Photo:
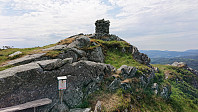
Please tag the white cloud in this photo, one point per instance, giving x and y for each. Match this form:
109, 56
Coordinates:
170, 41
46, 17
135, 20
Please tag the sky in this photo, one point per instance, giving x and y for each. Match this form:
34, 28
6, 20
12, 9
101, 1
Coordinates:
146, 24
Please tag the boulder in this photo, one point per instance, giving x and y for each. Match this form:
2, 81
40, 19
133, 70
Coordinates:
180, 64
80, 42
74, 53
127, 71
69, 54
15, 53
81, 53
96, 55
54, 63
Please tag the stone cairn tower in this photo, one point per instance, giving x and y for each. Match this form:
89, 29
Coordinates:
102, 27
102, 31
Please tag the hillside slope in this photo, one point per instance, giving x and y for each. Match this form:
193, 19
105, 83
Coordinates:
106, 74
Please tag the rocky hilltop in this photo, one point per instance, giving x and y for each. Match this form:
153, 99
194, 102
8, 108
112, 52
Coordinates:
104, 73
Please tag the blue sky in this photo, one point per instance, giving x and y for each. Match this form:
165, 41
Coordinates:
147, 24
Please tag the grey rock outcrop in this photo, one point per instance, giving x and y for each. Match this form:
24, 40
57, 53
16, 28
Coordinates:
79, 80
57, 47
126, 84
106, 37
33, 81
80, 42
147, 77
127, 71
140, 57
54, 63
26, 59
96, 55
74, 53
115, 84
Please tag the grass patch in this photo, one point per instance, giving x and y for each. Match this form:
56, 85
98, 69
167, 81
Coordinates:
84, 104
110, 101
5, 67
66, 41
52, 54
111, 43
117, 59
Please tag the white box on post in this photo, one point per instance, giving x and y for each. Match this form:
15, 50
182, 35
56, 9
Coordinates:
62, 85
62, 82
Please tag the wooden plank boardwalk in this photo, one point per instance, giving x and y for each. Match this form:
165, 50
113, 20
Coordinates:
32, 104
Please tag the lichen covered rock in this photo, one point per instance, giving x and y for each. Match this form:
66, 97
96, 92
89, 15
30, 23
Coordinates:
33, 81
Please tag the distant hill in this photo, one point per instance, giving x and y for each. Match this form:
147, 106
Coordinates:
168, 57
169, 54
191, 61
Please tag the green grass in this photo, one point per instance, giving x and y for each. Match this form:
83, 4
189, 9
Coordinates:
184, 97
117, 59
5, 67
4, 54
52, 54
112, 43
